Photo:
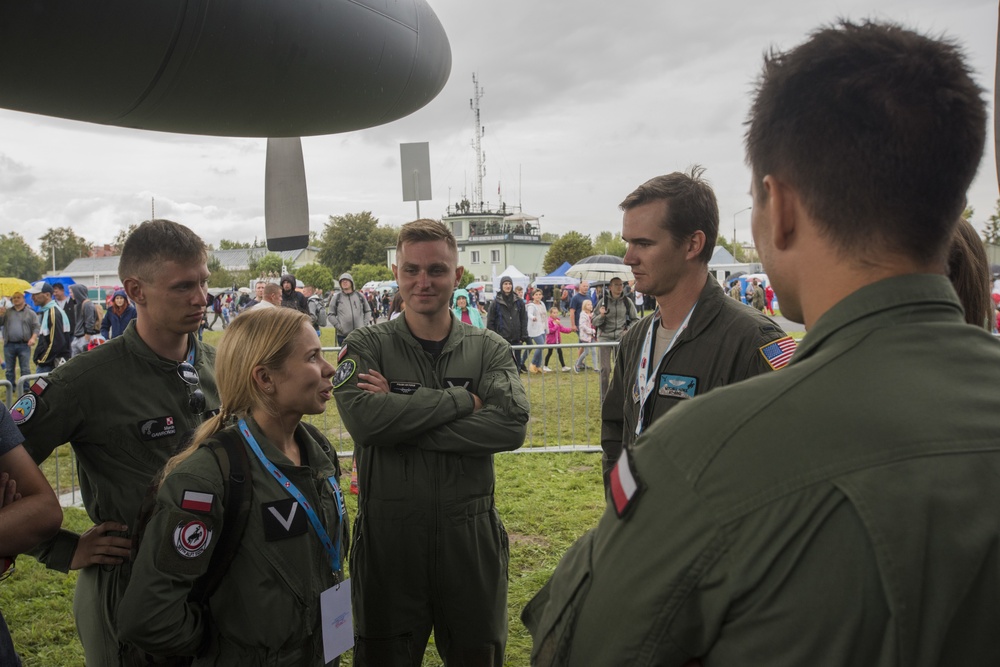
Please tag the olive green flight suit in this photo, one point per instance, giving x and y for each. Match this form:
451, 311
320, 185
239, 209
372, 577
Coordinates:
126, 411
721, 345
429, 547
841, 512
266, 609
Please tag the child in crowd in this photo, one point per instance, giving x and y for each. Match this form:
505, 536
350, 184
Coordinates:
554, 337
587, 335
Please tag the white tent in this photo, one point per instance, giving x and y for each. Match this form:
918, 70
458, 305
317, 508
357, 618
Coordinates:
516, 277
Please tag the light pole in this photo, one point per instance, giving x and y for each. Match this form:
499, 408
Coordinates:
734, 226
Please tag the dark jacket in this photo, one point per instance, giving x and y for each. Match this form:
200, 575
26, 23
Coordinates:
291, 298
508, 318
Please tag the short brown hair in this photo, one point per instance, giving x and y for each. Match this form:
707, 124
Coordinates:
425, 229
880, 131
157, 241
691, 206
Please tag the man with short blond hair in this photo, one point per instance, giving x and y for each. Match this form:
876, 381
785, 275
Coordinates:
125, 407
428, 400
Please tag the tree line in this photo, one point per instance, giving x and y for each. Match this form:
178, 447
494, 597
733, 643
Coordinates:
354, 242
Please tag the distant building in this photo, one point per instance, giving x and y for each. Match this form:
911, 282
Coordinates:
106, 250
489, 241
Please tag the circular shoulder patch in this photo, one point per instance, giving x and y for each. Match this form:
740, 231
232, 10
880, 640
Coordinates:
344, 372
191, 538
24, 408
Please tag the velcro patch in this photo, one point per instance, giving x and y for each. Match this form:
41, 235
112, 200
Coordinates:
677, 386
283, 519
626, 487
779, 352
464, 383
39, 386
191, 538
157, 427
184, 539
24, 408
405, 388
345, 371
196, 501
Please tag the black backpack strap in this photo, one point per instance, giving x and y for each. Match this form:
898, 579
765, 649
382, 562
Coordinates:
331, 452
234, 462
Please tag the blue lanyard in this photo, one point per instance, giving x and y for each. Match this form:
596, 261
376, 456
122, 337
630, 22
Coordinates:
332, 548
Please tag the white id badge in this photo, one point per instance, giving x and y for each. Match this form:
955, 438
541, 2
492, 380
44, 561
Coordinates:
338, 626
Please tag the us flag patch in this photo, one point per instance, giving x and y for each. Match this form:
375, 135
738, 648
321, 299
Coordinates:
625, 484
779, 352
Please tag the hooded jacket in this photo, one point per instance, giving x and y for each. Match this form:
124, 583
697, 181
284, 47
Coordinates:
84, 318
508, 316
292, 299
114, 322
348, 312
620, 314
475, 318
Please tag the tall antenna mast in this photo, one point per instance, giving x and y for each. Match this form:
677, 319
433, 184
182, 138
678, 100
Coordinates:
477, 203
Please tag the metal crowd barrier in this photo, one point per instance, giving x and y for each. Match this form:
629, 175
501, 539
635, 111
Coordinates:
565, 413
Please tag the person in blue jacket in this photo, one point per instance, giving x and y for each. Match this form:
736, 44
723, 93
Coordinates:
464, 311
118, 316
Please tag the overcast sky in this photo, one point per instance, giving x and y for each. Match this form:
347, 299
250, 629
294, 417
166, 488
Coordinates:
583, 101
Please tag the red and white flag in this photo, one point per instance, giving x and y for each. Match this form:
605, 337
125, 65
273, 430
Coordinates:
625, 484
195, 501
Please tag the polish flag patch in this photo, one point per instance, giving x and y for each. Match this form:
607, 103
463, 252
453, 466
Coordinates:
39, 386
626, 487
343, 353
195, 501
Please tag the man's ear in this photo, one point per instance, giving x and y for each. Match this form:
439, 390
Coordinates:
133, 290
459, 272
695, 244
783, 210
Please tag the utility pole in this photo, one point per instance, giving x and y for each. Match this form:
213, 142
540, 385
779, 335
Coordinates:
477, 146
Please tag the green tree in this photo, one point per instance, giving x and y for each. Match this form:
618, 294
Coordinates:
466, 278
992, 232
226, 244
67, 245
354, 238
570, 247
608, 243
18, 260
363, 273
123, 237
267, 263
316, 275
739, 254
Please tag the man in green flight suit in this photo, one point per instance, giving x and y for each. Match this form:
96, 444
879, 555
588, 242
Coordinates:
843, 511
428, 400
697, 339
126, 407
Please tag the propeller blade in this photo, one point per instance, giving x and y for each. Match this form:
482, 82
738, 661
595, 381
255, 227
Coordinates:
286, 206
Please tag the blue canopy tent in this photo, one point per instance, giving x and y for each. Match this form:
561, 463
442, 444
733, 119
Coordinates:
557, 277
